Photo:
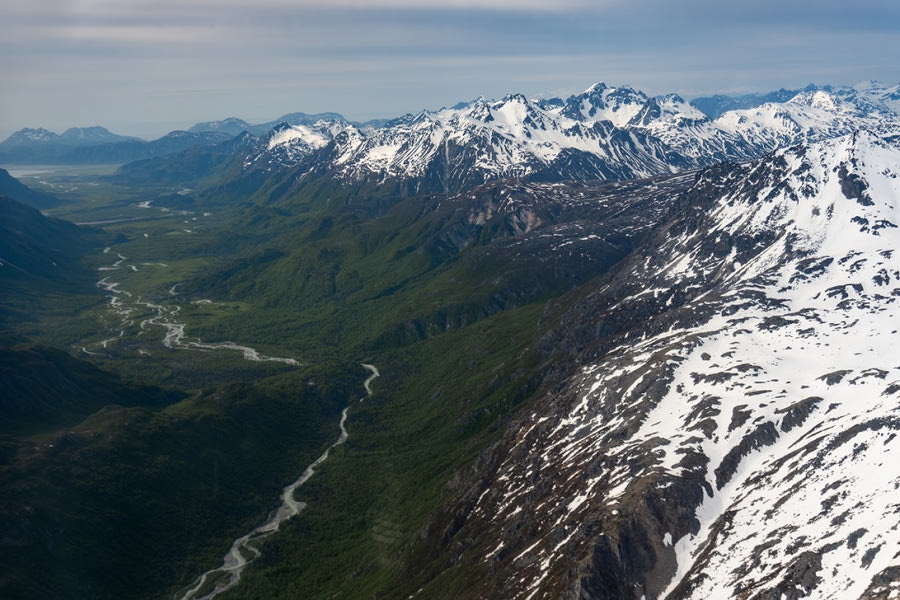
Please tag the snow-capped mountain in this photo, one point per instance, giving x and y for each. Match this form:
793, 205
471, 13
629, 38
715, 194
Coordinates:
602, 103
603, 133
731, 427
512, 137
808, 116
286, 145
588, 137
867, 95
689, 133
877, 94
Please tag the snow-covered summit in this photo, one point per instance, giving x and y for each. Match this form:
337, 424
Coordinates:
795, 390
807, 117
602, 103
286, 145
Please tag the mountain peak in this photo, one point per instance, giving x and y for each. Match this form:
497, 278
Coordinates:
30, 135
602, 103
673, 98
306, 136
817, 99
282, 126
597, 87
516, 97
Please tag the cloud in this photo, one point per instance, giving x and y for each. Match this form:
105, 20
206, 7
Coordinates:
106, 61
425, 5
131, 34
267, 23
113, 9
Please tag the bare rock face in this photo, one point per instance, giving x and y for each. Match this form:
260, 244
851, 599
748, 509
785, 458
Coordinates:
884, 585
725, 423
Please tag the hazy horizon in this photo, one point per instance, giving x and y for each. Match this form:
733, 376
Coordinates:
151, 132
145, 68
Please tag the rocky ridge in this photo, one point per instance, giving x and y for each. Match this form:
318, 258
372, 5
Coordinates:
727, 426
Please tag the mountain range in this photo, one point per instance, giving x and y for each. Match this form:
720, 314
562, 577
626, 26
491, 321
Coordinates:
629, 347
604, 133
727, 426
581, 135
94, 145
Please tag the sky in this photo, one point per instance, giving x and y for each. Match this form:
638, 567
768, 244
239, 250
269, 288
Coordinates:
145, 67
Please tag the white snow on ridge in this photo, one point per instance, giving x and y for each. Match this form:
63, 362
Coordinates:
828, 486
807, 117
312, 137
286, 145
511, 137
515, 136
622, 127
785, 403
601, 103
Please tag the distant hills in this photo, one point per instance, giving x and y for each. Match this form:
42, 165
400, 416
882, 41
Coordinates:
234, 126
72, 137
717, 105
95, 145
98, 145
43, 146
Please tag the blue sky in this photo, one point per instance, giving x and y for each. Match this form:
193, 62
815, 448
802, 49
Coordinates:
144, 67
